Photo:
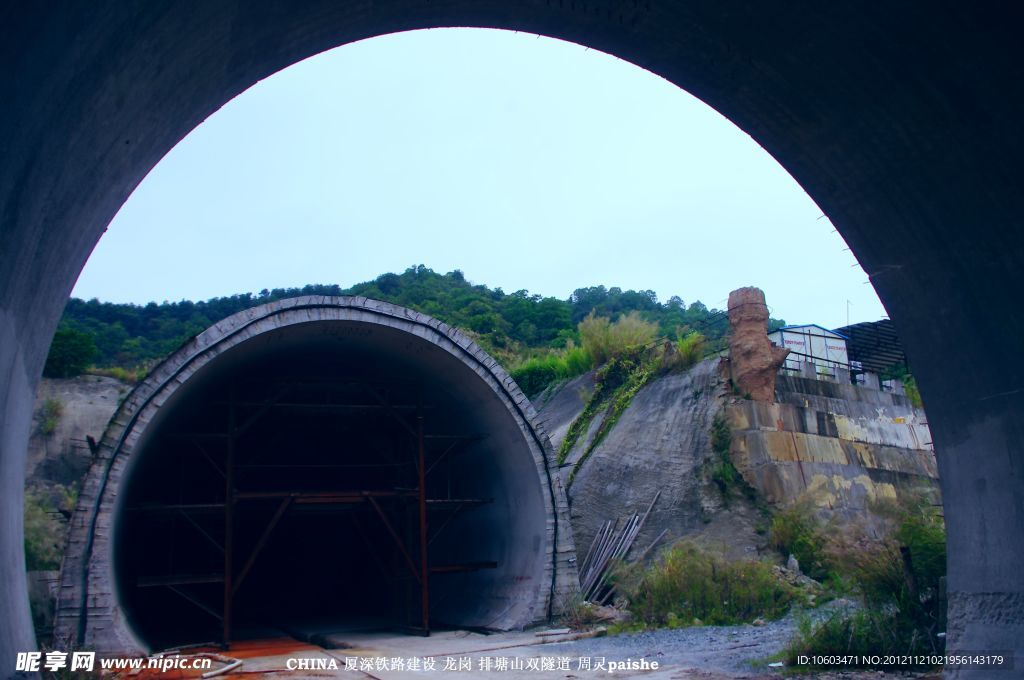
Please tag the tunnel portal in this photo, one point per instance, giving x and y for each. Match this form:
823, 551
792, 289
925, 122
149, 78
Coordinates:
317, 465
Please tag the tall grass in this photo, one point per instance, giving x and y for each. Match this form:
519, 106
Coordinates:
603, 339
690, 348
689, 586
131, 376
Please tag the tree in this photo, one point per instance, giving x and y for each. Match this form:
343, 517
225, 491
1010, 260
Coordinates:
70, 353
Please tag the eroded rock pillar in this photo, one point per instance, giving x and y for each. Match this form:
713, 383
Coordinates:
753, 360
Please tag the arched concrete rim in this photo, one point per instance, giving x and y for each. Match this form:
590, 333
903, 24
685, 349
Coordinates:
88, 613
901, 120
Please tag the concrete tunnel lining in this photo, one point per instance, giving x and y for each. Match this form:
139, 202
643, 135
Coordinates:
899, 123
524, 529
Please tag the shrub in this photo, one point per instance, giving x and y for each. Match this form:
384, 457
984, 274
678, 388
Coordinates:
898, 580
578, 613
70, 352
721, 469
690, 584
913, 394
42, 534
50, 415
682, 354
534, 374
796, 531
537, 373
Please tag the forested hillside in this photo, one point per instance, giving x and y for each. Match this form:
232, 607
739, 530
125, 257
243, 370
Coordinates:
514, 327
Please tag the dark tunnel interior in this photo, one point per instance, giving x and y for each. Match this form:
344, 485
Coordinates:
280, 489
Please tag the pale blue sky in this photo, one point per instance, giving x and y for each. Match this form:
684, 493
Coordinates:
525, 162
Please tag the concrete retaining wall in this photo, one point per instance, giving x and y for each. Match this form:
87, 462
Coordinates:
842, 446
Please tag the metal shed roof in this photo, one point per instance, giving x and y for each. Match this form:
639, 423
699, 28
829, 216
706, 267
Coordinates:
794, 327
874, 344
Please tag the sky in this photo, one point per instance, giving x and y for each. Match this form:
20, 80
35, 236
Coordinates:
526, 162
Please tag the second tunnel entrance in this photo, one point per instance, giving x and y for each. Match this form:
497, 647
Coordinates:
360, 467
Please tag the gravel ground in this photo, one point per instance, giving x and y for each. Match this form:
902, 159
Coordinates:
711, 651
728, 650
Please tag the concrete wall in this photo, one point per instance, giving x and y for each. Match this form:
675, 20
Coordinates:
88, 610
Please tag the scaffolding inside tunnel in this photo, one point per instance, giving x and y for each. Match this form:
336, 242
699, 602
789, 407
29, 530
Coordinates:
399, 496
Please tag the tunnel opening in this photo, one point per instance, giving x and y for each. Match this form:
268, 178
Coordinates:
324, 477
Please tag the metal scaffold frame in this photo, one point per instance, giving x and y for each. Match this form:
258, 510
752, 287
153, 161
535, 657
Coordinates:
384, 503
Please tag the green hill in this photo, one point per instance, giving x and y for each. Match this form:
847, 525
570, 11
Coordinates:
513, 327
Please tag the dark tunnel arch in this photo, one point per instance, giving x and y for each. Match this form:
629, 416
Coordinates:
319, 402
901, 122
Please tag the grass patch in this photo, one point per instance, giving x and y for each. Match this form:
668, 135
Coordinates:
615, 385
619, 379
690, 586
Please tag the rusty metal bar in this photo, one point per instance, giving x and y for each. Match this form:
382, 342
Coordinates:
396, 537
264, 537
424, 542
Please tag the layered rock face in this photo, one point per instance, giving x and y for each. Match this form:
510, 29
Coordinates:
753, 360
